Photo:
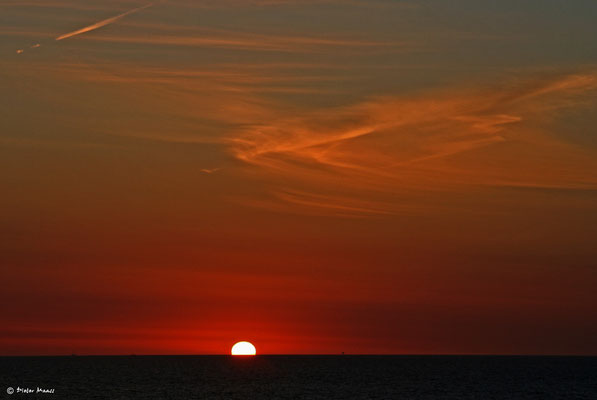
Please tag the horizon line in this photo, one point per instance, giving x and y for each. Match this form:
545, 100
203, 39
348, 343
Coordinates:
311, 355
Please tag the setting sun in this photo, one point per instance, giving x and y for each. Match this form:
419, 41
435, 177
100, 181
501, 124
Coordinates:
243, 349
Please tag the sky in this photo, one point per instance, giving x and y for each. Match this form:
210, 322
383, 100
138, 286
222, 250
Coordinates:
314, 176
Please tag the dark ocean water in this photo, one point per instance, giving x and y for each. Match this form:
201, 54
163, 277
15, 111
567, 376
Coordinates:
302, 377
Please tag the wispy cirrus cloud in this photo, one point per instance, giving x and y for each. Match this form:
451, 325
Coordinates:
164, 33
373, 158
198, 36
102, 23
389, 146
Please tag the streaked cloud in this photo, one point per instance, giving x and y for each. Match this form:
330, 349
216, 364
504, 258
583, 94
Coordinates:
436, 141
220, 38
209, 170
102, 23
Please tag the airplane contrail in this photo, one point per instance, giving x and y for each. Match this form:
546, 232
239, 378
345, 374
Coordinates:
102, 23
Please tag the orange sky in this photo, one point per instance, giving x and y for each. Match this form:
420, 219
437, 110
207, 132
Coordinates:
379, 177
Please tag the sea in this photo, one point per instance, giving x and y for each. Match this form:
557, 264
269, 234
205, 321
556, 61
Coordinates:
299, 377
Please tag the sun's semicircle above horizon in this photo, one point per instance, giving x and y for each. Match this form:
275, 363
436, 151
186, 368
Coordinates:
243, 349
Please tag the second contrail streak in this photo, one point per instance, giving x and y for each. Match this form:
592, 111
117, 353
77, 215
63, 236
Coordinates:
102, 23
